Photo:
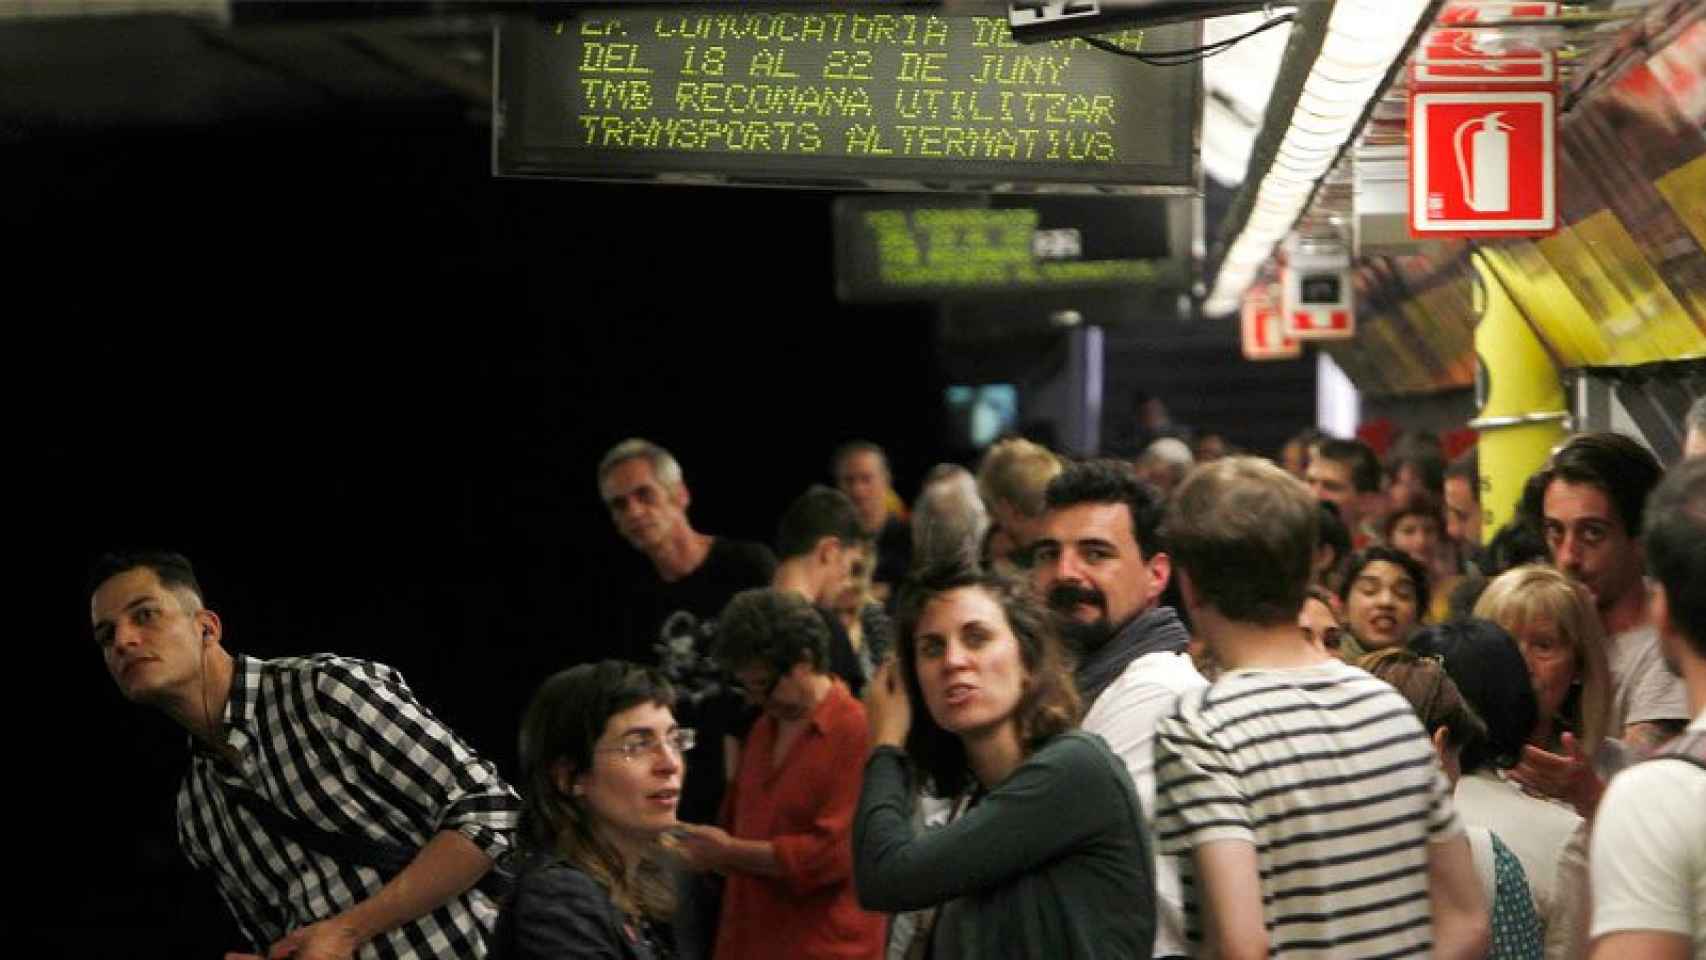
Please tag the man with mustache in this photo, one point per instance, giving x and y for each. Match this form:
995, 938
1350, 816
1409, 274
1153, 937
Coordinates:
1100, 565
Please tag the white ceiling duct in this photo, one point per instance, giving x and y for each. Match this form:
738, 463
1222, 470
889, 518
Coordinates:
1236, 87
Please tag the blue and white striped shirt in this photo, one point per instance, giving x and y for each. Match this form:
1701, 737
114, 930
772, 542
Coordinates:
1328, 774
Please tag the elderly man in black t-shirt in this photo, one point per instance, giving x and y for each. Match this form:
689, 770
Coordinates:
671, 616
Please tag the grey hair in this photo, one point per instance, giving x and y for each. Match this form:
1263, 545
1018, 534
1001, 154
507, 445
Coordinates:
664, 465
945, 472
949, 521
1168, 454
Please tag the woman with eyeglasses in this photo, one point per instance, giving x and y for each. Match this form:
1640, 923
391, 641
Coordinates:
1047, 854
1557, 628
601, 766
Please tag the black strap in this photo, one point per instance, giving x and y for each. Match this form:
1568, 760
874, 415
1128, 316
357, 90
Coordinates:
385, 858
1689, 747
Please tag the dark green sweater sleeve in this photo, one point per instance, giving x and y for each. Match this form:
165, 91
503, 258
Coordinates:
1064, 795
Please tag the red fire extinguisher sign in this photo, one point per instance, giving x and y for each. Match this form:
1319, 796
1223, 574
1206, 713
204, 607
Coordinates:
1465, 55
1483, 163
1264, 333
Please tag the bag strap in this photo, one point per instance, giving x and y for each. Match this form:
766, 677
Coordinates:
1690, 747
387, 859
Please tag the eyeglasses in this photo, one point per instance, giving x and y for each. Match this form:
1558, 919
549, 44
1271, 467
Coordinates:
637, 745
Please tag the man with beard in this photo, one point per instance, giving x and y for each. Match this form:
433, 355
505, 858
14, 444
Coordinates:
1100, 565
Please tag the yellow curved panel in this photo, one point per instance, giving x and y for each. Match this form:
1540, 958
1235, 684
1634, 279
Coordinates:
1536, 286
1521, 382
1685, 190
1655, 326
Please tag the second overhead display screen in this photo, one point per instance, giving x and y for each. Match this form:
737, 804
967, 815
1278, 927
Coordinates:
838, 95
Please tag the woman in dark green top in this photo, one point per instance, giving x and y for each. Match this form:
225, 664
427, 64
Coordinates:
1050, 857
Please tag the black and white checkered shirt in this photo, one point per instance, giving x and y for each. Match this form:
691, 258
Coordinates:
340, 744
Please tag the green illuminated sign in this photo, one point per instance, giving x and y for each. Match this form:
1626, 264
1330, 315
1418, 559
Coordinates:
838, 96
890, 248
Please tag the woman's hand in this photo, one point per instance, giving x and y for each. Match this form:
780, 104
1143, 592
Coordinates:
700, 845
1569, 776
887, 709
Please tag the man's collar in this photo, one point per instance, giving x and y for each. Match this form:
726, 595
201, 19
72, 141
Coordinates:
833, 699
245, 690
239, 713
1156, 630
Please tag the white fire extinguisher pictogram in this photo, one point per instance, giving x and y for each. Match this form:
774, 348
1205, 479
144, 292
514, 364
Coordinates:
1486, 177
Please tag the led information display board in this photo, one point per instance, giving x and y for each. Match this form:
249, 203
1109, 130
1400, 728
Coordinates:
838, 96
911, 248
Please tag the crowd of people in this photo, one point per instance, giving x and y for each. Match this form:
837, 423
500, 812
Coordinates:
1055, 708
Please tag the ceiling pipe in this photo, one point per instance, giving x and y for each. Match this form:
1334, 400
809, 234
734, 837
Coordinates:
1357, 44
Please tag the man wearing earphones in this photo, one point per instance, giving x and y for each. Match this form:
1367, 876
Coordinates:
338, 816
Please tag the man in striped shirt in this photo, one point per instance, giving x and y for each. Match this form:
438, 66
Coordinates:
1301, 794
338, 816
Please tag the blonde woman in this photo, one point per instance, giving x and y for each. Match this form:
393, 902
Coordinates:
1557, 628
